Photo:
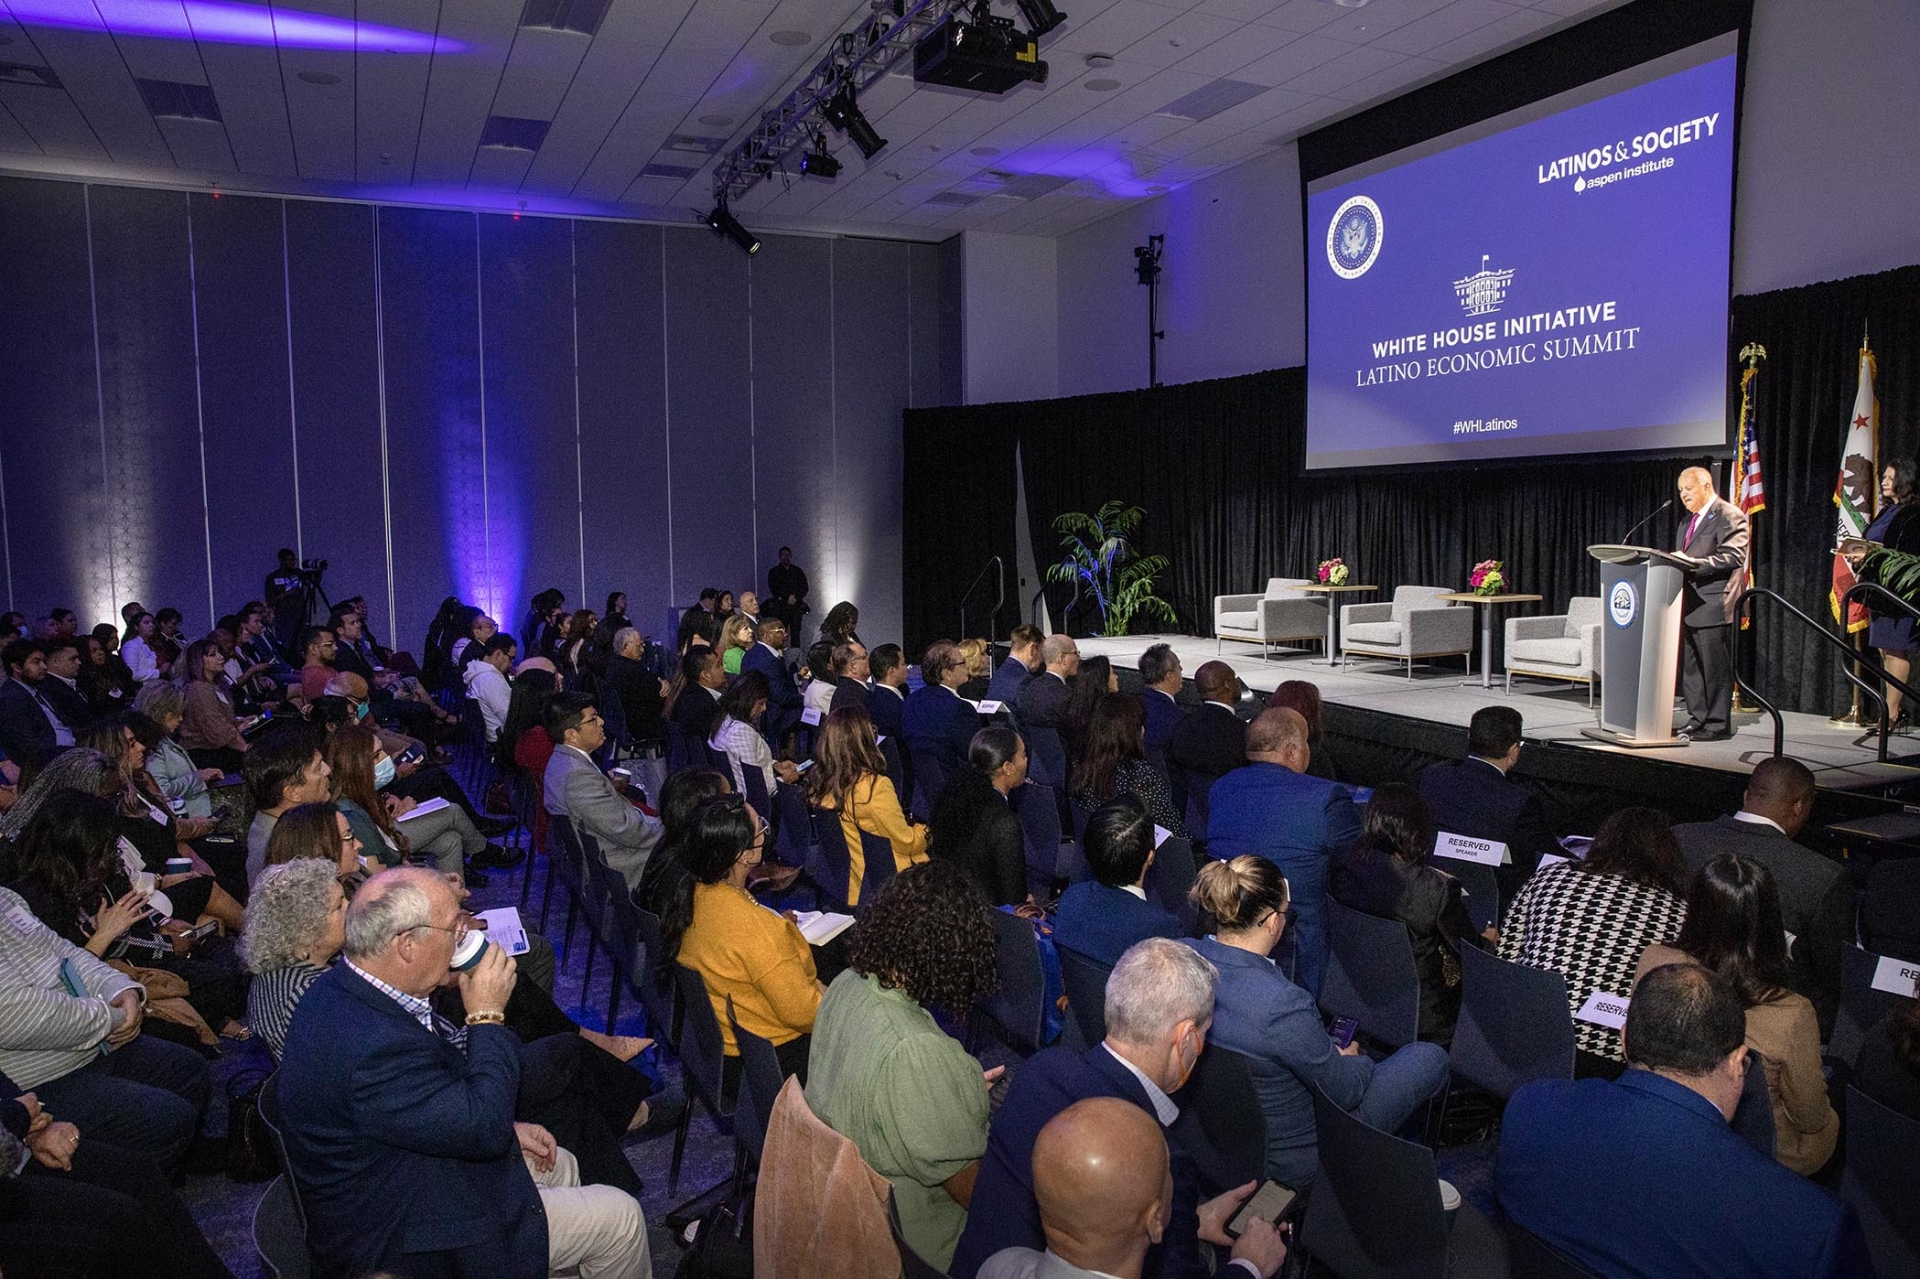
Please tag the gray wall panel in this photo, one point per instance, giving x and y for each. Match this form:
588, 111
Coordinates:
870, 326
623, 434
793, 358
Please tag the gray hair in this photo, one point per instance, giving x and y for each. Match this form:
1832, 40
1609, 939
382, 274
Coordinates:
623, 636
287, 913
1055, 647
78, 768
1158, 984
160, 699
392, 902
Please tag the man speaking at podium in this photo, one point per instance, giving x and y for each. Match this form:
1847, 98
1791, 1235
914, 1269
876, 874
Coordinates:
1712, 548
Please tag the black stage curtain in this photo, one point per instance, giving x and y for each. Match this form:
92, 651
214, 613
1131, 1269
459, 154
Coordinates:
1218, 467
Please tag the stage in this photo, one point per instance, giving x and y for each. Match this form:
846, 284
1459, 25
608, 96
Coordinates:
1383, 728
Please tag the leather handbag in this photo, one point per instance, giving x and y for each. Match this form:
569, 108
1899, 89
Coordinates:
252, 1153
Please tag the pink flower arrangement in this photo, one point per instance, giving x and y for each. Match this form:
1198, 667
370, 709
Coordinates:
1487, 579
1333, 572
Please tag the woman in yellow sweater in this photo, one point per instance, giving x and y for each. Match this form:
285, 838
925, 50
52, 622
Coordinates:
739, 947
850, 778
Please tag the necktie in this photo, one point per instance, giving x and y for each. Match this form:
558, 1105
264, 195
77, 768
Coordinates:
1692, 524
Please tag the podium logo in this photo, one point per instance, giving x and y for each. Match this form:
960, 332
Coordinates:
1622, 604
1353, 237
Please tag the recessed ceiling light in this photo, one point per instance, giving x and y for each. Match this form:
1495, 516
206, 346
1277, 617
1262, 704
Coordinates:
985, 151
1098, 60
716, 121
320, 77
791, 39
1347, 4
1103, 85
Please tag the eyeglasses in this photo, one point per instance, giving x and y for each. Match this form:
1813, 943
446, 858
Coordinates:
461, 926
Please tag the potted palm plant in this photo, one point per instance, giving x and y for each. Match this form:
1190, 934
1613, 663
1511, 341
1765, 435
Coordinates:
1098, 553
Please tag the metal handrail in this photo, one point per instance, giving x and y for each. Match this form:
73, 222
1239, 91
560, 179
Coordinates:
1863, 589
999, 569
1853, 656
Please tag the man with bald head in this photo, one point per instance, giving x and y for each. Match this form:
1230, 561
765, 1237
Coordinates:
1274, 809
1105, 1188
399, 1125
1043, 699
1816, 893
1711, 544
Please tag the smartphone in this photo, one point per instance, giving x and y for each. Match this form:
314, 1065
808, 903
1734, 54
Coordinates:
1343, 1031
803, 766
411, 755
1271, 1203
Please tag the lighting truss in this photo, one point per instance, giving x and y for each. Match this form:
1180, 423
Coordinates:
854, 59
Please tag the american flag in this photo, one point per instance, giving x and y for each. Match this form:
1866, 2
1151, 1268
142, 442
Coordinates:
1749, 491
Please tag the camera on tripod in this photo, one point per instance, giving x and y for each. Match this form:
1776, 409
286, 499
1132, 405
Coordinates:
310, 571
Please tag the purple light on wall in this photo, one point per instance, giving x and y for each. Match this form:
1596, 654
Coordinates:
1111, 169
226, 22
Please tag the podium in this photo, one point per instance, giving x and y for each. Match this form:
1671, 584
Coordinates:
1640, 591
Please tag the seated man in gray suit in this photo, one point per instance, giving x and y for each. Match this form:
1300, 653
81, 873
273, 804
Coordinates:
1816, 895
577, 790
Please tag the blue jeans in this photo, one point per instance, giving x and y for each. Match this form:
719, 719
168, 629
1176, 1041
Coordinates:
1401, 1084
146, 1095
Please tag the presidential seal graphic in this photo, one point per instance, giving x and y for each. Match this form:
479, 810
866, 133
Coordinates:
1353, 237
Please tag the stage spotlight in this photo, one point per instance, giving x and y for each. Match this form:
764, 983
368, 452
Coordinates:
1041, 16
724, 223
844, 114
819, 162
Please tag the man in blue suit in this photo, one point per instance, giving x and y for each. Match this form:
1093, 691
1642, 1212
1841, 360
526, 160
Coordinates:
1476, 798
1642, 1176
399, 1125
1159, 1005
1103, 917
1022, 664
937, 722
1161, 677
1273, 809
783, 695
888, 703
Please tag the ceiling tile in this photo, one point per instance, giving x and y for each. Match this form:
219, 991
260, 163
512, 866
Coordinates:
1450, 23
1292, 60
1335, 77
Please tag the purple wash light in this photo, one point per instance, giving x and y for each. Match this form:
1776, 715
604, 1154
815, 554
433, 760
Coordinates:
226, 22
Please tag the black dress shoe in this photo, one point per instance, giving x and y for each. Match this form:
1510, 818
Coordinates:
495, 857
494, 827
1691, 729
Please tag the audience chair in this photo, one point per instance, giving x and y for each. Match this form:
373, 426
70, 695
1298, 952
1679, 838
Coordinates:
722, 763
929, 779
1085, 980
1883, 1167
278, 1234
1416, 625
1283, 615
1227, 1109
1753, 1118
1514, 1026
1531, 1257
1046, 756
1861, 1006
583, 895
1171, 877
1018, 1007
1370, 976
1375, 1209
702, 1058
1557, 646
1048, 856
830, 865
912, 1264
793, 1201
1483, 889
760, 1082
1199, 788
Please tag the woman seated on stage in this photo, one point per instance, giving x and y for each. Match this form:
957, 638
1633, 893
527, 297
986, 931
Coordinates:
1114, 762
1632, 878
850, 778
1733, 927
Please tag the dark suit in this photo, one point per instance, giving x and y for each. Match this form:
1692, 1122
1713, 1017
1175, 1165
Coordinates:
68, 702
1643, 1177
1210, 741
1043, 701
1163, 716
402, 1146
886, 705
1297, 822
1004, 1214
639, 692
1713, 589
849, 692
1816, 897
1474, 798
994, 856
26, 734
696, 713
784, 702
1006, 683
1101, 922
938, 722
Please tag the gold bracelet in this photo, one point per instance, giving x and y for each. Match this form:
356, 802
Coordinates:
486, 1019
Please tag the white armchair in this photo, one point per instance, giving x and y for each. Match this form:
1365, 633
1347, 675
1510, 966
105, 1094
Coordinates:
1283, 615
1417, 624
1561, 646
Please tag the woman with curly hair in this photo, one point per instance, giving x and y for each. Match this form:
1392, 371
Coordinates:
841, 624
884, 1074
296, 926
850, 778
